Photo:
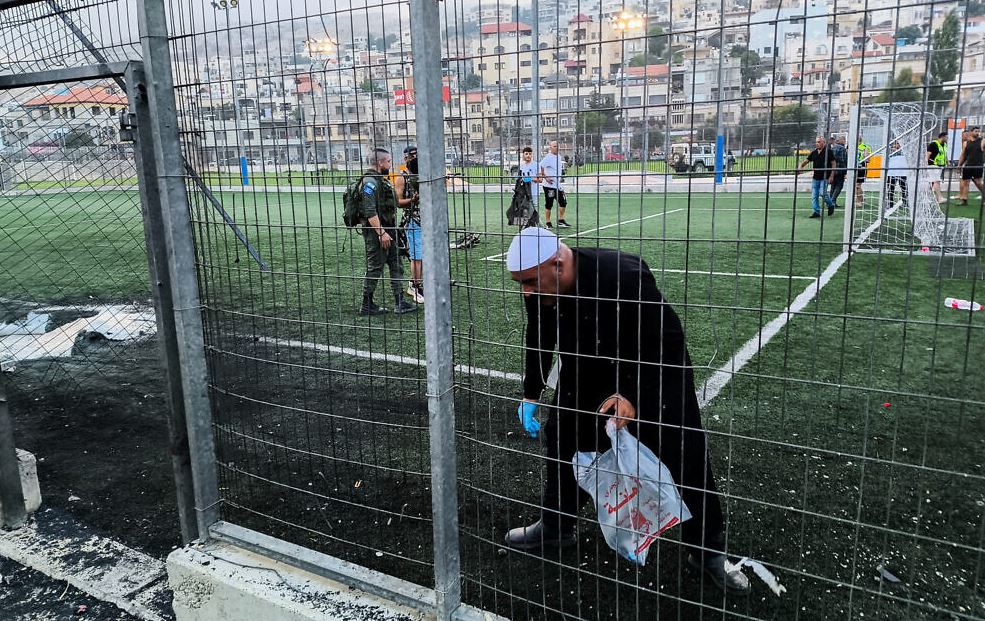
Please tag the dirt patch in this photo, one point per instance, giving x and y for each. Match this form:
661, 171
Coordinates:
97, 423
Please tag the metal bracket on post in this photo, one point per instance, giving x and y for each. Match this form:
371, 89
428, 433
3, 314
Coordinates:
181, 259
137, 123
437, 308
128, 120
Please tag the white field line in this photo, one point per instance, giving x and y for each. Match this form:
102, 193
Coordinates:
735, 274
714, 384
396, 358
105, 569
499, 257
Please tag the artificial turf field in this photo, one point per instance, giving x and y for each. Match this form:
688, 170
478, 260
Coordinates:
329, 448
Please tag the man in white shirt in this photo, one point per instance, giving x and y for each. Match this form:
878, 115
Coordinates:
550, 172
896, 172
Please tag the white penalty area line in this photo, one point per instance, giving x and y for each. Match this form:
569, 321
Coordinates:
499, 257
714, 384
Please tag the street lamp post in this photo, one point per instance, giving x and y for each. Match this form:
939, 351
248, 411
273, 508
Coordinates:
225, 5
719, 137
621, 23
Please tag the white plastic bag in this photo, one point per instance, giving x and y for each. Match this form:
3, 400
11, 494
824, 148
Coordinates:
633, 491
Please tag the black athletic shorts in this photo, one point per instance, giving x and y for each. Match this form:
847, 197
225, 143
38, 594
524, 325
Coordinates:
550, 194
860, 175
971, 172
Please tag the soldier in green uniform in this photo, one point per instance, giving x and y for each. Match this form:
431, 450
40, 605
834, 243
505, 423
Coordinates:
378, 207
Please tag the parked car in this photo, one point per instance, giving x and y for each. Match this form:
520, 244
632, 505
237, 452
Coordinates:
615, 157
692, 157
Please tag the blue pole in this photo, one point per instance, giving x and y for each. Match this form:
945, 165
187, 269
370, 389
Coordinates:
719, 158
244, 170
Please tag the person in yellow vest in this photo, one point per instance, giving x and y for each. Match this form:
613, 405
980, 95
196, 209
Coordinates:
864, 153
936, 161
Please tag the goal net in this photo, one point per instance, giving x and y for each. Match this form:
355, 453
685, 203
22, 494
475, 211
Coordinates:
894, 209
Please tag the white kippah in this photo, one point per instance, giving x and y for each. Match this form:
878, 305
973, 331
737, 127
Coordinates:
530, 248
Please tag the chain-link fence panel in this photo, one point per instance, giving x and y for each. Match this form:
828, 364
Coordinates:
78, 328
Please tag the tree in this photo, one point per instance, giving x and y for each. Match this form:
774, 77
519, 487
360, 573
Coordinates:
471, 82
900, 88
944, 58
656, 43
792, 125
600, 117
910, 33
77, 138
751, 67
369, 86
383, 43
644, 59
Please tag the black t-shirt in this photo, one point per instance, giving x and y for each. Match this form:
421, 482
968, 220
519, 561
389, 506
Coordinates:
973, 155
823, 161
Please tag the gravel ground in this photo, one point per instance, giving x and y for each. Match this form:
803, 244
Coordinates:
28, 595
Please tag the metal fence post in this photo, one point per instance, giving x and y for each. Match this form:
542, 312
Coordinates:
160, 280
181, 255
13, 513
437, 315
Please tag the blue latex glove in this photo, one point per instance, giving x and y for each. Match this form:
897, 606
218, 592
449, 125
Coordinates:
527, 413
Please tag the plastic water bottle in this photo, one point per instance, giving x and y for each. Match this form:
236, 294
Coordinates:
962, 304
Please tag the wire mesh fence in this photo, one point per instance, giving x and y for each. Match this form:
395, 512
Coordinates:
78, 330
802, 362
836, 390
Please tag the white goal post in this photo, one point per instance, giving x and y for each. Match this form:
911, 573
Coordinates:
906, 218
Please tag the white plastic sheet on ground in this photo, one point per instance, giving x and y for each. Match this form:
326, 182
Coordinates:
634, 492
29, 339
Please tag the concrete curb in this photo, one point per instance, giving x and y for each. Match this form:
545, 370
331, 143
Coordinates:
103, 568
218, 581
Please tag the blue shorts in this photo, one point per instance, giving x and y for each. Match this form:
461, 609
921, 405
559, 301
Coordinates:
415, 245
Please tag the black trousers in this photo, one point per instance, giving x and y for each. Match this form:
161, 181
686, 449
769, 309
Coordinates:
837, 185
679, 442
893, 183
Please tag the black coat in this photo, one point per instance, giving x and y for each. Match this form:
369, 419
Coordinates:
522, 211
617, 335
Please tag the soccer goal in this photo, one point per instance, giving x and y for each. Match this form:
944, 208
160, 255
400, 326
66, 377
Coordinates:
901, 215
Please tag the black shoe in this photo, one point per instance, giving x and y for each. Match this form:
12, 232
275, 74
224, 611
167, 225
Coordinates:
715, 570
548, 226
404, 306
815, 215
537, 535
831, 210
370, 309
561, 224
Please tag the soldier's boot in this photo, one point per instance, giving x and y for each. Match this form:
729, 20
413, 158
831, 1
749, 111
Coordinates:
403, 305
369, 308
